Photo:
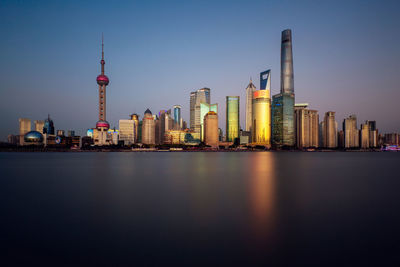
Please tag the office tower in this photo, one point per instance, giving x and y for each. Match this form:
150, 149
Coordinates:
204, 109
350, 132
283, 103
24, 127
60, 132
364, 142
178, 117
329, 130
148, 129
48, 127
135, 118
283, 133
287, 80
306, 126
211, 132
196, 98
249, 104
373, 134
127, 131
232, 118
39, 126
102, 125
261, 126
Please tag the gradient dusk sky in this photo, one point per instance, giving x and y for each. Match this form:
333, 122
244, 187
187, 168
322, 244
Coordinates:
346, 57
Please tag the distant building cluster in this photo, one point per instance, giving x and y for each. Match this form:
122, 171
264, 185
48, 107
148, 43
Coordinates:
275, 122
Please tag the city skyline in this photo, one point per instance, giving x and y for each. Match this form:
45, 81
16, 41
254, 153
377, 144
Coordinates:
80, 113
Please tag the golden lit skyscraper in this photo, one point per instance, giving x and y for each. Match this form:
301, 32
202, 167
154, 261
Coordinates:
39, 126
148, 129
306, 126
135, 118
127, 131
211, 132
329, 130
261, 128
24, 127
350, 132
232, 118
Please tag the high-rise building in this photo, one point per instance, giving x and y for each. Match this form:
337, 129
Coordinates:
287, 79
261, 126
373, 134
232, 118
350, 132
148, 129
102, 126
39, 126
307, 126
48, 127
283, 133
202, 95
211, 129
127, 131
364, 140
204, 109
24, 127
249, 104
329, 130
178, 117
135, 118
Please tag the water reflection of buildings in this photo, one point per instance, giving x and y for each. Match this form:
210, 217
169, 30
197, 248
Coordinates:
261, 180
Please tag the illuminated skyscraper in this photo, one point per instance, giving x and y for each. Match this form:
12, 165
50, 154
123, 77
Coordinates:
283, 133
232, 118
329, 130
261, 126
102, 125
24, 127
177, 117
39, 126
204, 109
135, 118
196, 98
148, 129
364, 135
127, 131
350, 132
211, 132
306, 126
249, 107
373, 134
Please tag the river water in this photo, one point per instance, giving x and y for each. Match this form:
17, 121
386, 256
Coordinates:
200, 209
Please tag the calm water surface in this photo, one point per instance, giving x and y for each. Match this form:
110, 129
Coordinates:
206, 209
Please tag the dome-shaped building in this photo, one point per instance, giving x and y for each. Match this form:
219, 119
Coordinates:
33, 138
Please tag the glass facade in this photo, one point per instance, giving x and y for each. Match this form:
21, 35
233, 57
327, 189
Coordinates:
283, 120
265, 80
204, 109
177, 115
232, 118
261, 128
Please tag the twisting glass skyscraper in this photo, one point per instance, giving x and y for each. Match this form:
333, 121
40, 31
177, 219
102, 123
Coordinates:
283, 133
232, 118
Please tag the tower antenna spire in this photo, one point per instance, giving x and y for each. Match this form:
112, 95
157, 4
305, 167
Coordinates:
102, 46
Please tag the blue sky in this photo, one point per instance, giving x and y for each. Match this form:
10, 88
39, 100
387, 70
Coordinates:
346, 57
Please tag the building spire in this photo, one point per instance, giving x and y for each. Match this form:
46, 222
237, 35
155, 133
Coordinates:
102, 62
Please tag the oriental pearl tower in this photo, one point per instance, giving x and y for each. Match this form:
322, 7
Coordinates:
102, 80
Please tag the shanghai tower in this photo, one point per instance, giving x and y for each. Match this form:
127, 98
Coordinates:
287, 85
283, 134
